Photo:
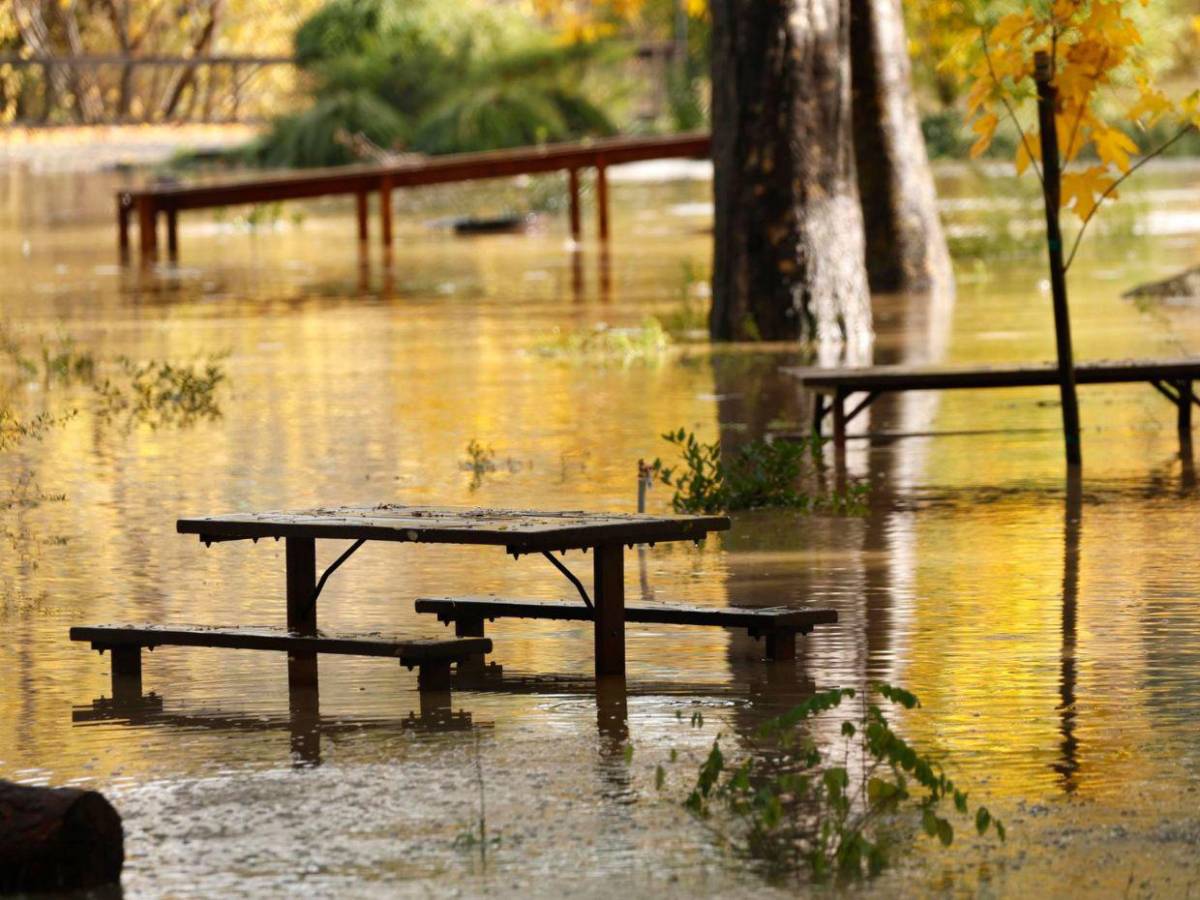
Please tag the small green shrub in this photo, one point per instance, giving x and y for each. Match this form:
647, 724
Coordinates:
760, 474
794, 807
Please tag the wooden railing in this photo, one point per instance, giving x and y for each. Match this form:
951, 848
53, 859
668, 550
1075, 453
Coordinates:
167, 201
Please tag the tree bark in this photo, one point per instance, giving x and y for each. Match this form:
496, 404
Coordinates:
906, 248
57, 839
788, 258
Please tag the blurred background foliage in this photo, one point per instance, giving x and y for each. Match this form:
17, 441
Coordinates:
373, 77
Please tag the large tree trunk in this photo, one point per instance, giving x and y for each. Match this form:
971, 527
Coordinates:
57, 839
906, 249
788, 258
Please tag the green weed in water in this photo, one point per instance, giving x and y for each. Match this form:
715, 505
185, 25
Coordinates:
480, 460
795, 807
647, 342
758, 475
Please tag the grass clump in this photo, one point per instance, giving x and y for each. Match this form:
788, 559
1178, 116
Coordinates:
647, 341
757, 475
794, 807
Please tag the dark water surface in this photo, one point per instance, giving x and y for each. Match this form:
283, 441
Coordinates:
1053, 634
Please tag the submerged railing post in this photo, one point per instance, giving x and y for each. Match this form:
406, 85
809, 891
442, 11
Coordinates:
602, 201
385, 210
573, 199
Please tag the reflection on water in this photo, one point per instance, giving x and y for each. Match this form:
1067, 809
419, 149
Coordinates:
1050, 628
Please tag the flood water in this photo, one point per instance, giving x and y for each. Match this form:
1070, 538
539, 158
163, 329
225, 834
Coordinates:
1051, 631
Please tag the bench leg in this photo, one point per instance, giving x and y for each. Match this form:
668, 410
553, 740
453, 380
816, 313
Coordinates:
1184, 407
473, 664
839, 420
608, 594
126, 673
434, 676
781, 645
301, 556
818, 413
172, 235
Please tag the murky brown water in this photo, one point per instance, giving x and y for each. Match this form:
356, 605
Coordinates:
1053, 636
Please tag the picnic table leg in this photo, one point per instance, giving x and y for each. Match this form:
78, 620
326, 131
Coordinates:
1184, 422
818, 413
123, 214
126, 673
172, 235
147, 228
839, 419
301, 555
781, 645
608, 595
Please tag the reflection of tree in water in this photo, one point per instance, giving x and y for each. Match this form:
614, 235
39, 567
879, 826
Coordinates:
1068, 765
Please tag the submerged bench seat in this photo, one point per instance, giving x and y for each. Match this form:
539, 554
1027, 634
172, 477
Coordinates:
431, 657
779, 625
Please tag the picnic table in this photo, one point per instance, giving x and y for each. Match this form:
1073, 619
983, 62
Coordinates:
833, 387
519, 532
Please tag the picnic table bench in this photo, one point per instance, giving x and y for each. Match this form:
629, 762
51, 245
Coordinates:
518, 532
778, 625
431, 658
833, 387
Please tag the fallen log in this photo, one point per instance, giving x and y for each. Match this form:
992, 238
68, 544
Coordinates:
54, 839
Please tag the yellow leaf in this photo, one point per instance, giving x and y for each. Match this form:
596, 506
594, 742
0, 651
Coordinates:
1113, 146
1153, 104
985, 127
1081, 191
1010, 26
1023, 157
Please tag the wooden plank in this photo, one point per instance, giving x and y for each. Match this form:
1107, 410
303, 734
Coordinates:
518, 530
608, 598
260, 638
902, 378
478, 608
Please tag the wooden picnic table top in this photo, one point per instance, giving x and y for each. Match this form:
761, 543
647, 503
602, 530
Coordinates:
876, 378
517, 530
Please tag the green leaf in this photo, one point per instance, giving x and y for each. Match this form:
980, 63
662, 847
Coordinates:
945, 832
628, 753
660, 777
1000, 829
982, 818
848, 729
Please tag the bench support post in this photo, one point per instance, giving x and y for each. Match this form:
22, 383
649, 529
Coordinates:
470, 627
301, 556
1184, 405
608, 595
172, 235
781, 645
147, 228
126, 673
573, 200
839, 419
818, 414
123, 212
434, 676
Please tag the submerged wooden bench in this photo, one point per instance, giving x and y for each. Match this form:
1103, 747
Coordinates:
431, 658
777, 624
1170, 377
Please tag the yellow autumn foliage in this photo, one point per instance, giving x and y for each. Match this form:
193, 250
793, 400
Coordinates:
1104, 86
